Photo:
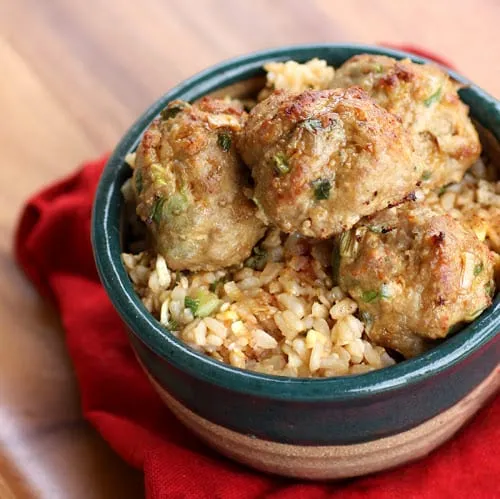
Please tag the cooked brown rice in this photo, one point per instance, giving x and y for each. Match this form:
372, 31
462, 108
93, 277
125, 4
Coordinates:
285, 319
314, 74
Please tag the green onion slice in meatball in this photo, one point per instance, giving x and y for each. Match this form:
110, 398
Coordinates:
224, 141
321, 189
281, 166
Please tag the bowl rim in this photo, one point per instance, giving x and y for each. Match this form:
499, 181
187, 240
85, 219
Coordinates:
107, 250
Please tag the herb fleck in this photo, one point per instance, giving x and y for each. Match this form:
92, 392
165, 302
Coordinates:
224, 141
157, 211
443, 189
312, 125
478, 269
435, 97
214, 285
192, 304
170, 112
348, 245
177, 203
426, 175
321, 188
369, 296
336, 262
206, 303
281, 166
173, 325
138, 180
258, 260
367, 318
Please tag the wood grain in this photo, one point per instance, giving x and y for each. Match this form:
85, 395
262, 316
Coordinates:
75, 75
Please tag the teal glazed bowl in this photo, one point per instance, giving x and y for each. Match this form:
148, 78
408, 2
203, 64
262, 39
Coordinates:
309, 428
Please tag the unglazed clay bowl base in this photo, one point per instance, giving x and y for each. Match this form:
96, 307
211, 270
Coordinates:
328, 462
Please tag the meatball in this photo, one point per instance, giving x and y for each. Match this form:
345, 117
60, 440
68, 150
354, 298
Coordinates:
425, 98
415, 274
189, 186
323, 159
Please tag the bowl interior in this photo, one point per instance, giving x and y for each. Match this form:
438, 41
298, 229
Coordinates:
242, 76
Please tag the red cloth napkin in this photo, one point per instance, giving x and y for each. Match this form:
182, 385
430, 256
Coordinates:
53, 247
419, 51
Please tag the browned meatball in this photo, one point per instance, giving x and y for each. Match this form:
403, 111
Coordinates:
323, 159
425, 98
189, 186
415, 274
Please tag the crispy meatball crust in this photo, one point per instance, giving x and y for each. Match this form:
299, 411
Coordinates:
415, 274
189, 186
323, 159
425, 98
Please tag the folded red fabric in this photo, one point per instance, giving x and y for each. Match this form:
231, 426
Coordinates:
419, 51
53, 247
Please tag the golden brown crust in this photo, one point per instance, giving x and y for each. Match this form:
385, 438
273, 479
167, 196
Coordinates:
426, 101
189, 185
417, 273
321, 160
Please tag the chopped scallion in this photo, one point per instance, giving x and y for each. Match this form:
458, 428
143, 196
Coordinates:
435, 97
177, 203
138, 180
281, 166
312, 125
478, 269
321, 189
369, 296
336, 262
213, 286
224, 141
367, 319
170, 112
192, 304
258, 260
348, 244
157, 210
207, 303
173, 325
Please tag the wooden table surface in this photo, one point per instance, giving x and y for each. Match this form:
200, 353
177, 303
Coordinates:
75, 74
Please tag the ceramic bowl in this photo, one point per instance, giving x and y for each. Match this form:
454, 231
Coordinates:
309, 428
